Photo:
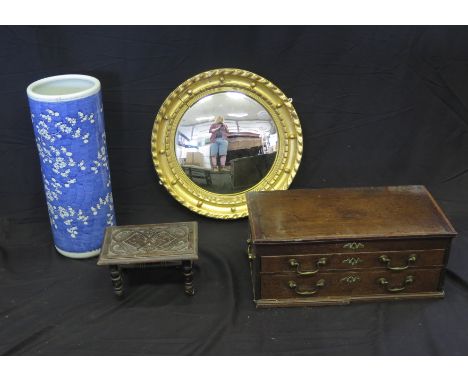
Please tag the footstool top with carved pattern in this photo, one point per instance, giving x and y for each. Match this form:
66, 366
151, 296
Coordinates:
150, 244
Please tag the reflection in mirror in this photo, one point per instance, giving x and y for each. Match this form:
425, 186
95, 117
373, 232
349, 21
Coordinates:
226, 142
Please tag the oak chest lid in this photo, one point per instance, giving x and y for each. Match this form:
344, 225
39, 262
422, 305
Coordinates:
343, 213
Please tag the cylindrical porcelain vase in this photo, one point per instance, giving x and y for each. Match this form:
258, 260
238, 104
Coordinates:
67, 117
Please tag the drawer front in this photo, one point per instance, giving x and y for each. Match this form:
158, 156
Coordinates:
309, 264
340, 284
351, 246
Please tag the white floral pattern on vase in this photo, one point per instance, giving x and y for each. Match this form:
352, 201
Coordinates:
71, 142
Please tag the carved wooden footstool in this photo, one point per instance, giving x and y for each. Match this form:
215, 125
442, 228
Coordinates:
138, 246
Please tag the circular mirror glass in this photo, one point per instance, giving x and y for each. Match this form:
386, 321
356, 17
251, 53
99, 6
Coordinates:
226, 142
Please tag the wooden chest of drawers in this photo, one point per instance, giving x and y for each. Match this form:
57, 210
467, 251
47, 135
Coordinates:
335, 246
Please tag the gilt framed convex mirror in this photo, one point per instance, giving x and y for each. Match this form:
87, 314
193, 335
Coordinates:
221, 134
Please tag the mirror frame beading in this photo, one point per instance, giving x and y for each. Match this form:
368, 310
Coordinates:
171, 174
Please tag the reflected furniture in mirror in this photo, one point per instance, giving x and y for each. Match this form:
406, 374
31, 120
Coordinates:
222, 133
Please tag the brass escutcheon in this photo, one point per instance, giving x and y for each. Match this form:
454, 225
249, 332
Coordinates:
351, 279
352, 261
353, 245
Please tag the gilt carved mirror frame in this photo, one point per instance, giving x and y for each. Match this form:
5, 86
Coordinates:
171, 174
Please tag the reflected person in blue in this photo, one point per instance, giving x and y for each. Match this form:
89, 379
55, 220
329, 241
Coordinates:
219, 143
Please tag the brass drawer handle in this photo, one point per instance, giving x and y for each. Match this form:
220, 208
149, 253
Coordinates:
386, 260
383, 281
354, 246
295, 264
319, 284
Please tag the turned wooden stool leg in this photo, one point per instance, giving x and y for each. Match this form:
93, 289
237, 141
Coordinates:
116, 276
188, 274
